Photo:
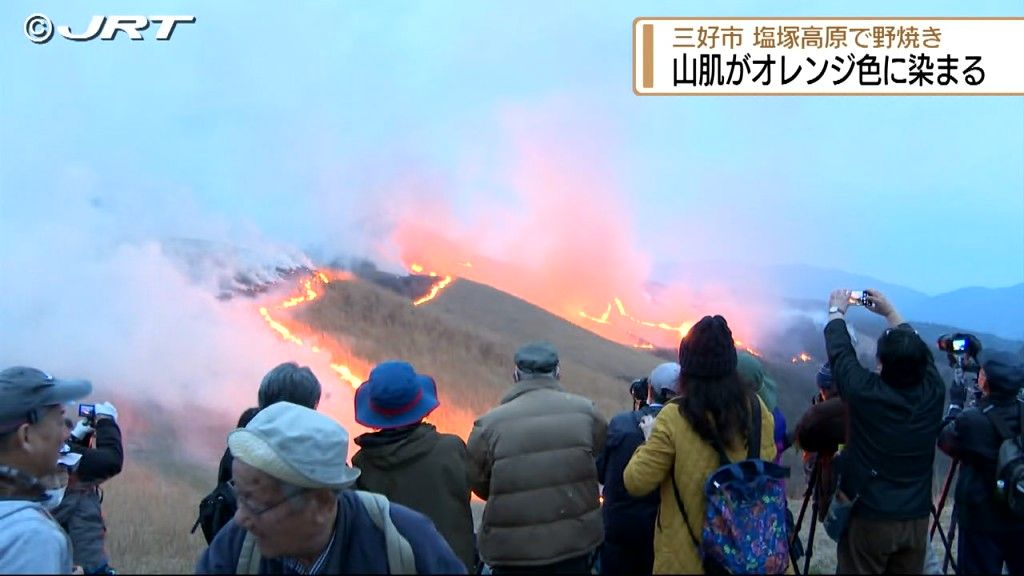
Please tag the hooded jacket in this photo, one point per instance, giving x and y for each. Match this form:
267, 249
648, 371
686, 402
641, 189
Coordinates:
533, 459
890, 452
425, 470
31, 542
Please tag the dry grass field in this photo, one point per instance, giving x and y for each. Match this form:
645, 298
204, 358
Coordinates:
149, 513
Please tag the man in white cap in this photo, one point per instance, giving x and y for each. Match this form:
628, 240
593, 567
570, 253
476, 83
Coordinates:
298, 515
31, 435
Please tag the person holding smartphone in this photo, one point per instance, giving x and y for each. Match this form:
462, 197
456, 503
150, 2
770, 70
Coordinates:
96, 436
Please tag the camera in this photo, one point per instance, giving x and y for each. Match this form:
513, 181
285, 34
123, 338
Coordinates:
638, 390
87, 411
860, 298
959, 344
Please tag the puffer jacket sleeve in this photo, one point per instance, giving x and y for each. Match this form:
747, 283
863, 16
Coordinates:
480, 461
653, 460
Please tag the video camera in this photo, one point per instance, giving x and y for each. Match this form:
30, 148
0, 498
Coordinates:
959, 348
638, 389
88, 412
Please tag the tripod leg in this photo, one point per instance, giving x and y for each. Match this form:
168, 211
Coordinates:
815, 471
945, 493
952, 537
810, 538
947, 543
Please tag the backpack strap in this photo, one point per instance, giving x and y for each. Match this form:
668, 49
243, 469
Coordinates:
754, 442
401, 559
249, 558
682, 510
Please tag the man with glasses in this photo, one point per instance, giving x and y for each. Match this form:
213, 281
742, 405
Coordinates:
31, 435
297, 513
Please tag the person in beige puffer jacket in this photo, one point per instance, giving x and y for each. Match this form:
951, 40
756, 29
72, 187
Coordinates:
532, 459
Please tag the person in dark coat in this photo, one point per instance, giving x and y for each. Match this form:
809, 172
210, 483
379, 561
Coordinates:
988, 535
286, 382
820, 432
628, 546
80, 512
297, 512
887, 464
407, 459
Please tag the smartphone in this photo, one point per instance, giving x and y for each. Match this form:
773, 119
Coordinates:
860, 298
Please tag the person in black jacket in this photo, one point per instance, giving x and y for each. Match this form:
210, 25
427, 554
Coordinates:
819, 433
80, 512
988, 534
886, 467
286, 382
629, 522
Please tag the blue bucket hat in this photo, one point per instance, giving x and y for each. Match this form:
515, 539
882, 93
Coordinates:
395, 396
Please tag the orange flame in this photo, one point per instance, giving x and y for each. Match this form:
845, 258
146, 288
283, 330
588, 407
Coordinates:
681, 329
803, 357
279, 328
288, 334
346, 375
348, 368
435, 289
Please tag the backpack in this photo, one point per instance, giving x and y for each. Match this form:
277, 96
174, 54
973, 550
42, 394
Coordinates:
215, 510
1010, 465
745, 529
401, 559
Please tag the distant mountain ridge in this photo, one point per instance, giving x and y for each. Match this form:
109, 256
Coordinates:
998, 311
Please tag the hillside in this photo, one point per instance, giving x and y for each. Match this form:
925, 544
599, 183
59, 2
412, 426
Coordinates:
466, 338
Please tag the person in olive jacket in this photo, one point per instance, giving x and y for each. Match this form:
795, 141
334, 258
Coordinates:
408, 460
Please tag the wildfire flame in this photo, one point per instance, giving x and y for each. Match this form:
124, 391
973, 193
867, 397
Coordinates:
802, 357
436, 288
349, 369
680, 329
308, 288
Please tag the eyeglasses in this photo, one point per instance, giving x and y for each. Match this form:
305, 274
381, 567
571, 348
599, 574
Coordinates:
252, 511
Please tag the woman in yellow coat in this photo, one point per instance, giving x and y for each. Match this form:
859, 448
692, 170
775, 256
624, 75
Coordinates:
713, 402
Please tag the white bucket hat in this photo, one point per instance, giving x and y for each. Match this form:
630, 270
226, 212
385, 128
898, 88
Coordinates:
296, 445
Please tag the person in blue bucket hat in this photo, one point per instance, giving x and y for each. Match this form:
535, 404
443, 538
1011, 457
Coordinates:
407, 459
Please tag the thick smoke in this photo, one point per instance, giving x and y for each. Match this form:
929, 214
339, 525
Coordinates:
94, 289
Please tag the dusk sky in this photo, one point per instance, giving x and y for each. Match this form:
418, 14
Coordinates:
293, 122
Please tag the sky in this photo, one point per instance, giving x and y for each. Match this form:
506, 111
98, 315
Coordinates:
292, 121
361, 129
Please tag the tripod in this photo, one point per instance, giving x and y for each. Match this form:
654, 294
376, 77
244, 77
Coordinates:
957, 362
808, 493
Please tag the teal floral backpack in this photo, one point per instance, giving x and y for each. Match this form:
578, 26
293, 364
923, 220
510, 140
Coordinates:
745, 529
